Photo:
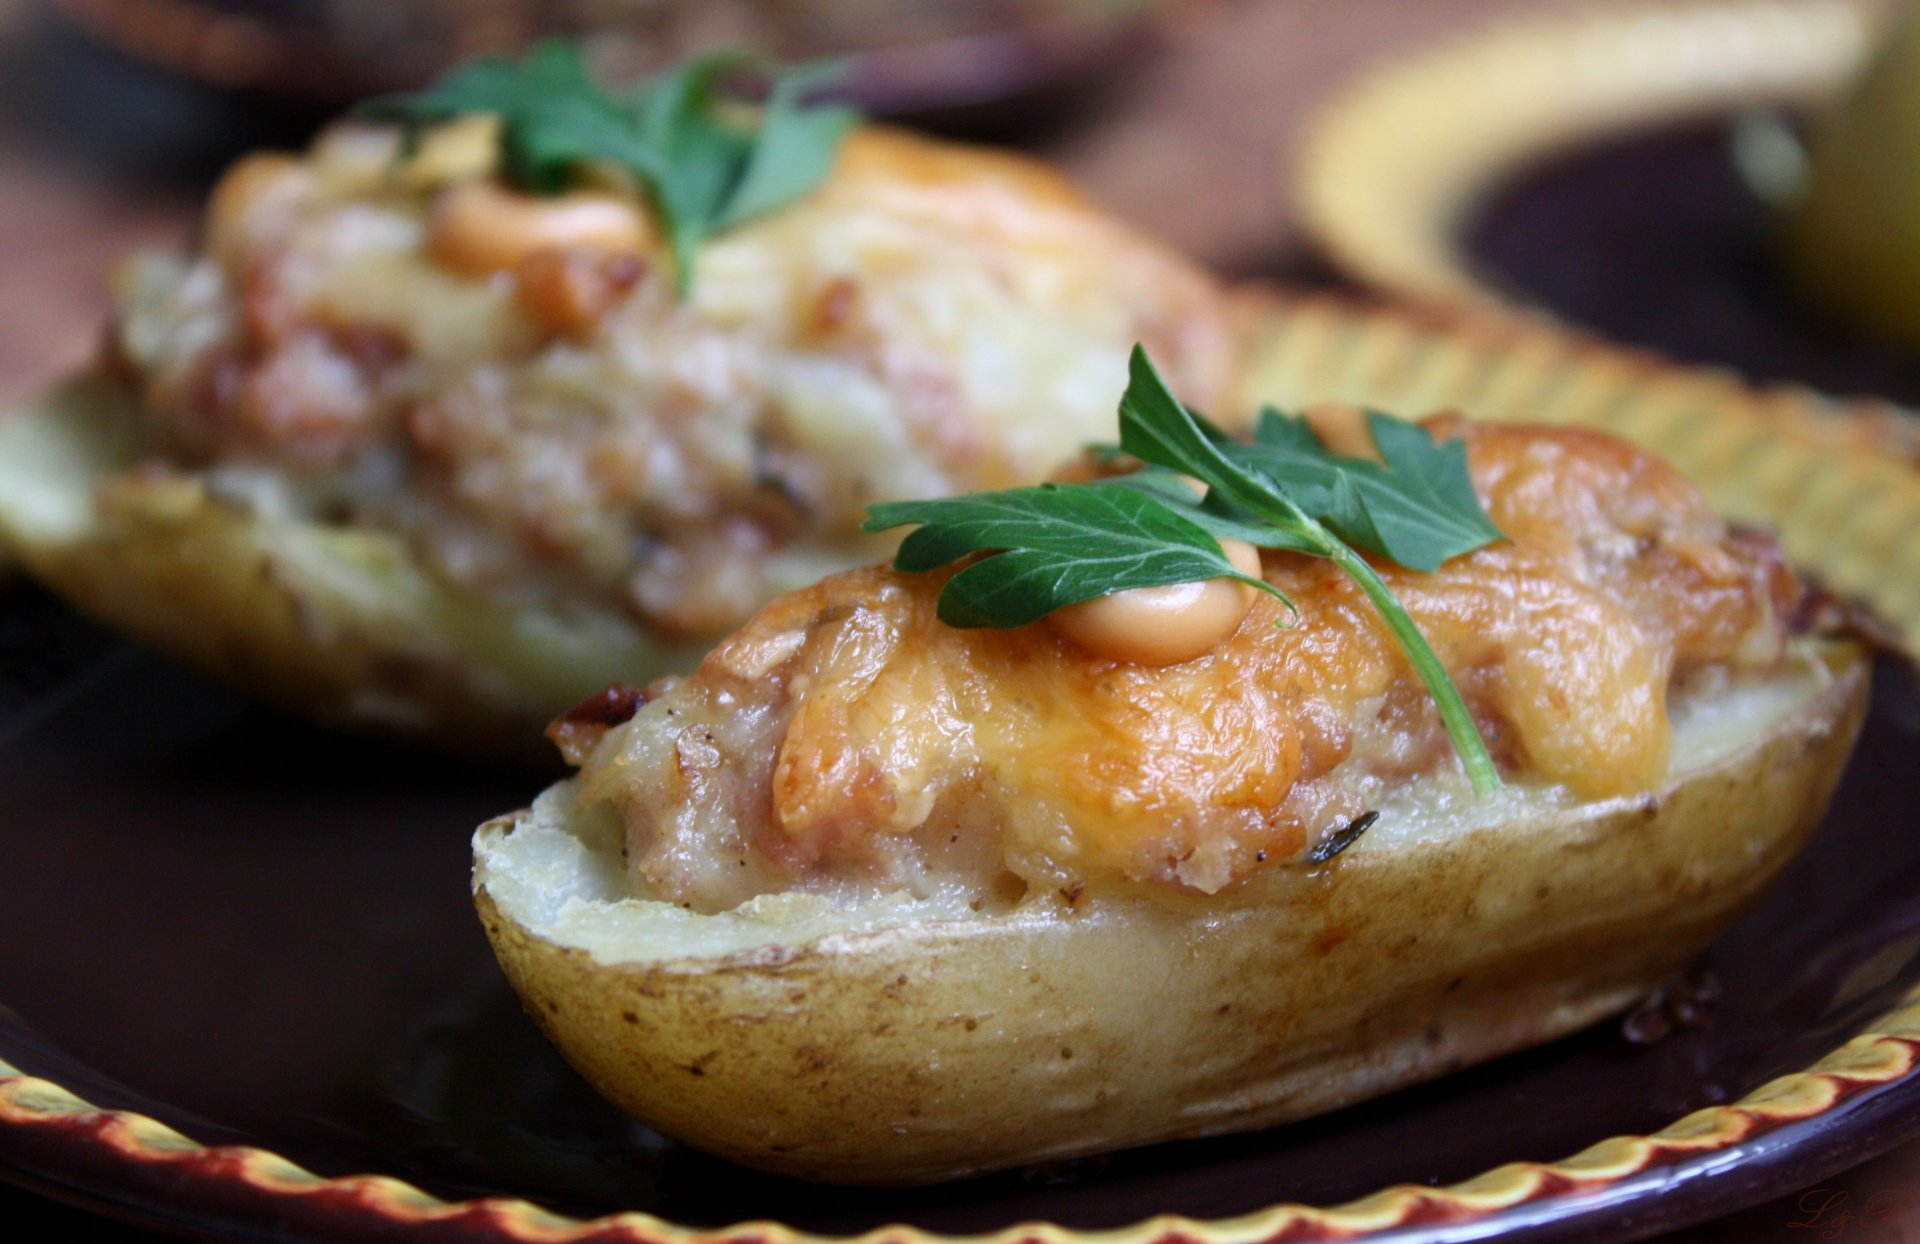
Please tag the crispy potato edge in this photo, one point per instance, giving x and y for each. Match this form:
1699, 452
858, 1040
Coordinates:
919, 1053
333, 623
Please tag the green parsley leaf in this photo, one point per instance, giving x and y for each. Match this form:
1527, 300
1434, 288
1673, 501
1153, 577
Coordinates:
1058, 544
707, 161
1156, 428
1053, 546
1217, 518
797, 143
1417, 507
553, 116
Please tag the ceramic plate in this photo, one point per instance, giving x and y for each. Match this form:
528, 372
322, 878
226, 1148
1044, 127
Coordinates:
243, 992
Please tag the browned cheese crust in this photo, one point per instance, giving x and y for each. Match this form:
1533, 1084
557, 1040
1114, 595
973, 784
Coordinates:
846, 738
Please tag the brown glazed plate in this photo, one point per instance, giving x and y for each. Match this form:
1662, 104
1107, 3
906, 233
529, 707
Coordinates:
243, 993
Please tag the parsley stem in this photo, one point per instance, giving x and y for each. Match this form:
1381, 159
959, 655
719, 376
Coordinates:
1453, 710
1472, 749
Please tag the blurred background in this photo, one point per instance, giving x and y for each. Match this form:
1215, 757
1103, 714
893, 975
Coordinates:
1183, 116
115, 115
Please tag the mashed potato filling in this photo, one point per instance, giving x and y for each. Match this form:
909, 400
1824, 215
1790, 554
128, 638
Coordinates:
929, 320
560, 870
847, 743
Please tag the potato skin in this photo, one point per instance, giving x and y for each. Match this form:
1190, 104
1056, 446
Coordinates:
918, 1053
336, 624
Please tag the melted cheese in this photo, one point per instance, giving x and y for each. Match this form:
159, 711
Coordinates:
846, 737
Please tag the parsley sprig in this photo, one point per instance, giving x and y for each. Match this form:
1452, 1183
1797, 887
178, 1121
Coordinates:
706, 161
1058, 544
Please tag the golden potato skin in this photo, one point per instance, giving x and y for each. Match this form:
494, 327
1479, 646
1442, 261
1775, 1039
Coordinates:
337, 625
914, 1054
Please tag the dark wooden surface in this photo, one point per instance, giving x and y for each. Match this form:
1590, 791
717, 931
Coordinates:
1192, 142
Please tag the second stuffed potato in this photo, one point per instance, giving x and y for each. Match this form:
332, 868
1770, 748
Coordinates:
403, 444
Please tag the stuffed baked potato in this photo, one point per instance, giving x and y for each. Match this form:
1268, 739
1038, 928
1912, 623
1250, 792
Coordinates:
402, 443
869, 898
